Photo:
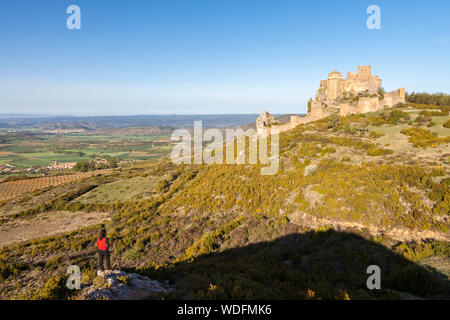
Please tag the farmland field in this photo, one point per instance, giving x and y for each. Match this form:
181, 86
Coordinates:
24, 150
14, 189
136, 188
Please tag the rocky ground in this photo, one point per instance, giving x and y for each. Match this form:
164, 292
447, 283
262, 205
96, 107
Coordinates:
120, 285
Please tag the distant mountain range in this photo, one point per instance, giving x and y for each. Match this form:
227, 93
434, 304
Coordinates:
88, 123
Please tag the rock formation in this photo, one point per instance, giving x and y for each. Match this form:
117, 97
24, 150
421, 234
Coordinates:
119, 285
265, 119
359, 93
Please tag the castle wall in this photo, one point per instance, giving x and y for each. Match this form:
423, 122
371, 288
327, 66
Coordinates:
394, 97
387, 101
368, 104
347, 109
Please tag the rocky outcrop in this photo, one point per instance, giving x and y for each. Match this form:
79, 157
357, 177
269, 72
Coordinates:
265, 120
120, 285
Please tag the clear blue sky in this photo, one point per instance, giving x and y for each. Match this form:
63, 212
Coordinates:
228, 56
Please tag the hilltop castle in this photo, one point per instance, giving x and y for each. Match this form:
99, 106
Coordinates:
360, 93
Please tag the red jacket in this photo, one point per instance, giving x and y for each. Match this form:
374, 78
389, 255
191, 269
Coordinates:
102, 244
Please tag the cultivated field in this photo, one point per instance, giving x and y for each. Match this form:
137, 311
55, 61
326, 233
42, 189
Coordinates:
12, 189
24, 150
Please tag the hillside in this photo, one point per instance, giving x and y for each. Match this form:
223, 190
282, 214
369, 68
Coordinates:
350, 192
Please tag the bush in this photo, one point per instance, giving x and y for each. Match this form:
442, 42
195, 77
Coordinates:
53, 263
434, 113
54, 289
394, 116
422, 138
7, 270
208, 242
421, 120
378, 151
375, 135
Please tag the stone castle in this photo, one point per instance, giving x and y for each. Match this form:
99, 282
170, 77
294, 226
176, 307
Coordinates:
360, 93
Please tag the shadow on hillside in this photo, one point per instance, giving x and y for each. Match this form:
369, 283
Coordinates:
324, 265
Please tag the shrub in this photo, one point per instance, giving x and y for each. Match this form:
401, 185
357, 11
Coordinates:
208, 242
54, 289
300, 199
394, 116
421, 120
422, 138
124, 279
7, 270
53, 263
375, 135
434, 113
378, 151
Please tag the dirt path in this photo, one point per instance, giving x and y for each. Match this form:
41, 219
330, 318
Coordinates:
48, 224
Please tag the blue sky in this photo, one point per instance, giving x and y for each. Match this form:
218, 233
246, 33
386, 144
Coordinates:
198, 57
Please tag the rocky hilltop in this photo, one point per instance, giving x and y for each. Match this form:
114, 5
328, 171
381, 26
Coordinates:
361, 92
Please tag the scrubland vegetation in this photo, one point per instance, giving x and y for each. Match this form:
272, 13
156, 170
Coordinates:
342, 200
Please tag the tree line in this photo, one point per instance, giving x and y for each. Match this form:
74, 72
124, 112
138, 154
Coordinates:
438, 99
84, 166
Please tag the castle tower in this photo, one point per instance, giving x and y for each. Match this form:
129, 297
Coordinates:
334, 85
334, 75
351, 75
364, 73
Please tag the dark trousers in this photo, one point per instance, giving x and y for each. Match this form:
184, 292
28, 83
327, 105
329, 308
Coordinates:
103, 254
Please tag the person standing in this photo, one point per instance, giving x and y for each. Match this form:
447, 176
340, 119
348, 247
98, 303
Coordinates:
103, 251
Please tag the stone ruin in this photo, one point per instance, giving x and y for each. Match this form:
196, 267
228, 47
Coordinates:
265, 120
360, 93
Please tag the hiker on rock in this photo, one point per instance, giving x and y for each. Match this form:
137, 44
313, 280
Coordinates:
103, 251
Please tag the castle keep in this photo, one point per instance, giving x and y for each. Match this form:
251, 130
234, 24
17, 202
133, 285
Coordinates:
361, 92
